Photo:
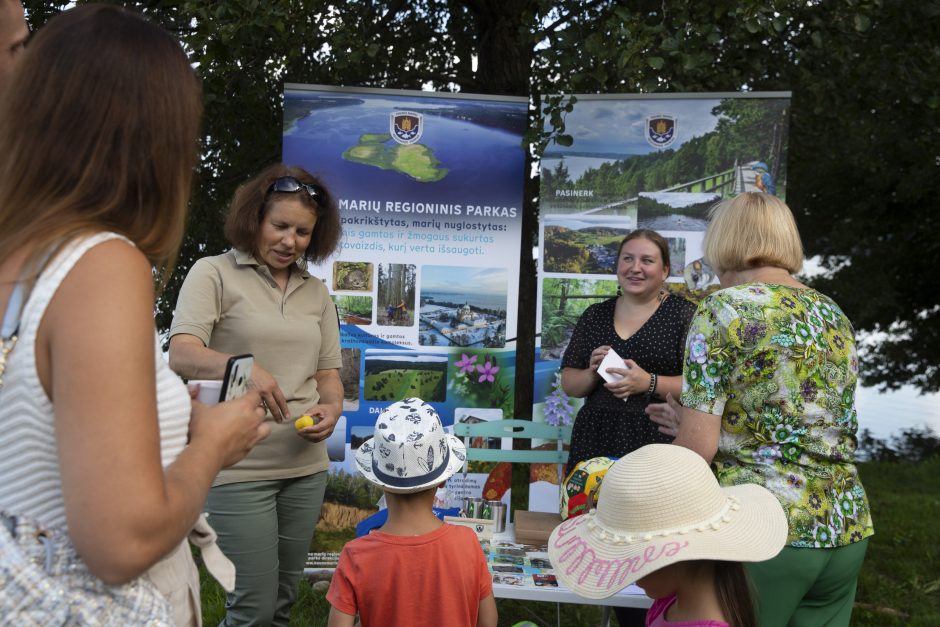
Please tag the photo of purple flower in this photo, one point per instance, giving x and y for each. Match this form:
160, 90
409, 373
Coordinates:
466, 364
487, 372
558, 408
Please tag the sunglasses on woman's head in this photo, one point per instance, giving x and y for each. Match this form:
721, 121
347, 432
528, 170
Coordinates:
290, 185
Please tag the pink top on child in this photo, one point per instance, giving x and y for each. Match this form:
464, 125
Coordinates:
656, 616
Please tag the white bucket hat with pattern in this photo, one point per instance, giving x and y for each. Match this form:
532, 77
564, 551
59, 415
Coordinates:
410, 451
660, 505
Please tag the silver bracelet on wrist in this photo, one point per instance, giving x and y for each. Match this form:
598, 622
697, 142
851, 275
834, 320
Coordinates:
652, 390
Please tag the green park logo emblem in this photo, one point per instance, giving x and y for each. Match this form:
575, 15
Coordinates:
406, 127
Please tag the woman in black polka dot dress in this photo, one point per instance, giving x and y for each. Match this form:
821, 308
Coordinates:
646, 327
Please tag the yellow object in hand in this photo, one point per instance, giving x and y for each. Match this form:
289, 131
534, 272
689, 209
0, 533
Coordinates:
304, 421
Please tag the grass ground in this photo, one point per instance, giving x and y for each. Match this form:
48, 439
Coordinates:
899, 584
900, 581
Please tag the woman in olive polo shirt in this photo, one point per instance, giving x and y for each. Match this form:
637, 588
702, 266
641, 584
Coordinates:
258, 298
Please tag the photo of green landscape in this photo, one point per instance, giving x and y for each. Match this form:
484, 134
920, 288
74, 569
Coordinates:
354, 309
350, 498
582, 246
393, 375
563, 302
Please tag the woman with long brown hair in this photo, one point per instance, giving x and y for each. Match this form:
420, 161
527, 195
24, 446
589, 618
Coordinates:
98, 141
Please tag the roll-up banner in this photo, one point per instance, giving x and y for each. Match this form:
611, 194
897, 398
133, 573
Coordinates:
430, 191
638, 161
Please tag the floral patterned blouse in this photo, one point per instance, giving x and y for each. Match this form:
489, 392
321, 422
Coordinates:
779, 365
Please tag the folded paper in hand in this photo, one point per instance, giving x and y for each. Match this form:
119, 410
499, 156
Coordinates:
611, 360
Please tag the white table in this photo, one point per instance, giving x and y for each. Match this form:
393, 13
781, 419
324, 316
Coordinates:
631, 596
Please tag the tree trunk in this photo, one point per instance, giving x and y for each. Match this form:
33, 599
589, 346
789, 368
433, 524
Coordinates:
504, 32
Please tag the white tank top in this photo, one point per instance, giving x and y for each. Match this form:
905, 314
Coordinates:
29, 468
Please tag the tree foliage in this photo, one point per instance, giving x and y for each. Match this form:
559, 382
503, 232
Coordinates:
863, 158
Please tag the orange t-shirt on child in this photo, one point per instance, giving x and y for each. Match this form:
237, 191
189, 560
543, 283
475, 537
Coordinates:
438, 578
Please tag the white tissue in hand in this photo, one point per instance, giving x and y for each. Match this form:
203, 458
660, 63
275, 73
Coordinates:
611, 360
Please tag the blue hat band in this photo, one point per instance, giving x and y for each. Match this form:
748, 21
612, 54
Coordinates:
410, 482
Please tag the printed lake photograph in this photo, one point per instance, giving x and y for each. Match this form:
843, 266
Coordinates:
674, 211
358, 435
563, 302
391, 375
353, 309
583, 246
722, 146
396, 294
349, 376
352, 276
463, 306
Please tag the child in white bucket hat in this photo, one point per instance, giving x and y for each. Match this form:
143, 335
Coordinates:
663, 522
388, 576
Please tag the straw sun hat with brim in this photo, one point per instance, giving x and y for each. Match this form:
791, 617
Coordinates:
660, 505
410, 451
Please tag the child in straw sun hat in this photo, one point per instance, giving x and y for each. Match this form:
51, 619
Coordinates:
414, 570
663, 522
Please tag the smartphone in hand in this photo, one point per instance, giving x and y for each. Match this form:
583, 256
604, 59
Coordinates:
237, 377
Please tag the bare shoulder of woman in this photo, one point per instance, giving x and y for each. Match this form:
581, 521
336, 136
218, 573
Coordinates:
96, 338
104, 303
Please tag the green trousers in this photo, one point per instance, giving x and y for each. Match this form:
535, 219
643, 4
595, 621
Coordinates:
807, 587
265, 528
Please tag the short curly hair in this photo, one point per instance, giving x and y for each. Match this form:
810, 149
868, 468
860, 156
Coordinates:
252, 201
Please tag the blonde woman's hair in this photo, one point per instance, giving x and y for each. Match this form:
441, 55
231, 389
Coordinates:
753, 230
99, 126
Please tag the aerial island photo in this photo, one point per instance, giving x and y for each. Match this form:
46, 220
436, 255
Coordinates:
415, 160
396, 146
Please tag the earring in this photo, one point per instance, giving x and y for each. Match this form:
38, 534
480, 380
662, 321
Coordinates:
302, 263
619, 290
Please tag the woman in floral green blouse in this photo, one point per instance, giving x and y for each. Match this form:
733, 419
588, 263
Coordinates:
769, 397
